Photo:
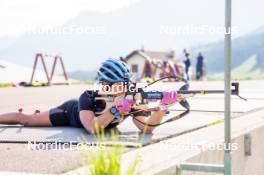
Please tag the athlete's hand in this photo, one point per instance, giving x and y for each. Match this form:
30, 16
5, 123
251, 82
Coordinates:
124, 105
169, 98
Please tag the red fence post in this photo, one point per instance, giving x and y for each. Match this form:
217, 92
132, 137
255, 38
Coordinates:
49, 77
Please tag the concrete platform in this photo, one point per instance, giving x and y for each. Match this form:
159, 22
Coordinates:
206, 110
129, 135
197, 147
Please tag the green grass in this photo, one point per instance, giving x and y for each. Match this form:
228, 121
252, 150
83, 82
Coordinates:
243, 72
6, 85
78, 82
108, 161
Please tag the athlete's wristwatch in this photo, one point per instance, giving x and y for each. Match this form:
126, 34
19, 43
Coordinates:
115, 112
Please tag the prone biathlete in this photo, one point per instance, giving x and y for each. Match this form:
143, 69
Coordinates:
82, 112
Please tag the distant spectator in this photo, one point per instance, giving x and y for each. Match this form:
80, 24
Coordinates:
187, 63
199, 66
148, 72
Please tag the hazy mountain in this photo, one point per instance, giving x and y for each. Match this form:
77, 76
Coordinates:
5, 42
83, 75
243, 48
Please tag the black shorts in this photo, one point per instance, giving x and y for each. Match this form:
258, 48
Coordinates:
66, 114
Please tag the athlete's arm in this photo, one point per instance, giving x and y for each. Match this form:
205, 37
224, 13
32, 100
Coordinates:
125, 105
87, 116
154, 119
89, 120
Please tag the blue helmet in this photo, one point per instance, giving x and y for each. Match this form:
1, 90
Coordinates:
113, 71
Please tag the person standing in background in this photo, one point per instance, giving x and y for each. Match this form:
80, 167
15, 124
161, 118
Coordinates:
199, 66
187, 63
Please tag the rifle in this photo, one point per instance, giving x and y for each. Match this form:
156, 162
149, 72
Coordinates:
143, 98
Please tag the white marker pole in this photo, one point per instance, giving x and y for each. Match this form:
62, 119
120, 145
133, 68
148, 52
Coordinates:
227, 65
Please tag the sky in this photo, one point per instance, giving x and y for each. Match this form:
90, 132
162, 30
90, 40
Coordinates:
18, 16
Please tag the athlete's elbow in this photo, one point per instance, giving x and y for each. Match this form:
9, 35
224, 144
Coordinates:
90, 130
95, 128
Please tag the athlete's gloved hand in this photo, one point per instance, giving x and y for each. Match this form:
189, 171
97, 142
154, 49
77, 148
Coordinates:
169, 98
124, 105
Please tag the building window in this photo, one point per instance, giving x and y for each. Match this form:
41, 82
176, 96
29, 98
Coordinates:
134, 67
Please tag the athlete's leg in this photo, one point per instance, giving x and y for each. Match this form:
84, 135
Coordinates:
10, 118
36, 119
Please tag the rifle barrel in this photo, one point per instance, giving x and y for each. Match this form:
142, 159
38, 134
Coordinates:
201, 91
233, 92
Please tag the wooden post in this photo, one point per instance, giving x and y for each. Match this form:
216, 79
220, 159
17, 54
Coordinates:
64, 70
34, 68
46, 70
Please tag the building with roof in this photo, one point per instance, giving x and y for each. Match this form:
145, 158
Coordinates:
151, 63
